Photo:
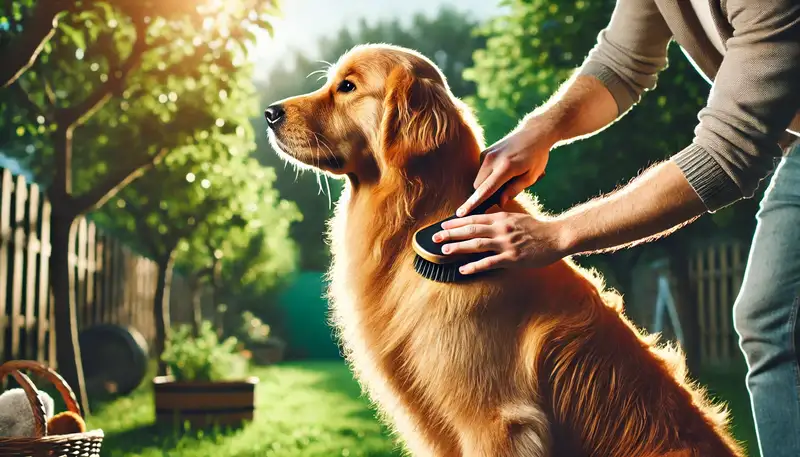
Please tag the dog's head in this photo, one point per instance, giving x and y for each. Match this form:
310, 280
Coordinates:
380, 107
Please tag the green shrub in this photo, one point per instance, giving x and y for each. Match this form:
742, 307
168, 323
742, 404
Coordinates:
253, 329
203, 357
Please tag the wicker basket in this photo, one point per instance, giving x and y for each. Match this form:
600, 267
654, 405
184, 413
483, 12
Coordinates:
85, 444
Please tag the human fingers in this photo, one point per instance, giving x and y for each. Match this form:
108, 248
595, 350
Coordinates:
472, 246
488, 157
486, 189
494, 262
464, 232
474, 219
517, 185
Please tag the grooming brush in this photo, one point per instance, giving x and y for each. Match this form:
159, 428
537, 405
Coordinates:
432, 263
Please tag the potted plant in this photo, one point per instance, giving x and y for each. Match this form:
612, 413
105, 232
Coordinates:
264, 347
207, 384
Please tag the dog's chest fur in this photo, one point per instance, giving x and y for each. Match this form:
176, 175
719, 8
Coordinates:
411, 341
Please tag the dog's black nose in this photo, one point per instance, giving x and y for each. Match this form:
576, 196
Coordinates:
274, 115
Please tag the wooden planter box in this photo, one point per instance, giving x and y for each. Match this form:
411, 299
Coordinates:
204, 404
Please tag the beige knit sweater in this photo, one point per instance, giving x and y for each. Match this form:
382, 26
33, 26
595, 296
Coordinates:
755, 96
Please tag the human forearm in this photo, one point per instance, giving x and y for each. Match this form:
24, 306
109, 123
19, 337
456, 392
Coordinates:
653, 205
656, 203
581, 107
624, 63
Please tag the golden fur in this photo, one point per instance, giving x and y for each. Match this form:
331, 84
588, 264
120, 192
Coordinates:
528, 362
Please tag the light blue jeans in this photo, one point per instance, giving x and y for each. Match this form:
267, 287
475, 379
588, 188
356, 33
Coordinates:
766, 314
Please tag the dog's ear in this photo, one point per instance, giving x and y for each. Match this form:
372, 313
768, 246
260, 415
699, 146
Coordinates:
418, 116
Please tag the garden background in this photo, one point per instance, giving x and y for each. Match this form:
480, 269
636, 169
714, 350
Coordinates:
139, 193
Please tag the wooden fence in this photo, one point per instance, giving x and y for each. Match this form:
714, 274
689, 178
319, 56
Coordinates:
112, 283
717, 272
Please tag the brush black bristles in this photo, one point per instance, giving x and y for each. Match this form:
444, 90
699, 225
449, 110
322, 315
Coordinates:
436, 272
444, 272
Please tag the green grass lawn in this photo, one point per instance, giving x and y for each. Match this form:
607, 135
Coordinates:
305, 410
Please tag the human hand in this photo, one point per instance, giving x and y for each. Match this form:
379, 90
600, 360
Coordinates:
517, 240
519, 159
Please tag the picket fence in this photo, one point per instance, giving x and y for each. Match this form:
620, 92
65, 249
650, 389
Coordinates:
112, 283
717, 272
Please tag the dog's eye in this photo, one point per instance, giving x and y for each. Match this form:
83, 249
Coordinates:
346, 86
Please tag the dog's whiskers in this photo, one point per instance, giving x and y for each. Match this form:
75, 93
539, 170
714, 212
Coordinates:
321, 143
316, 170
323, 72
328, 185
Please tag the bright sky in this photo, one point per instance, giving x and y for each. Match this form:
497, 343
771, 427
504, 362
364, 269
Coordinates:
304, 22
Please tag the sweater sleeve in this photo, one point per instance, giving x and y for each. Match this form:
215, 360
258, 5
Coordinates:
755, 96
630, 51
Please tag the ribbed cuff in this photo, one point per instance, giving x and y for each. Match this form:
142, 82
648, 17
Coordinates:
612, 81
708, 179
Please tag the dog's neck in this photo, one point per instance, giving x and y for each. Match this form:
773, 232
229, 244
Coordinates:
429, 185
429, 188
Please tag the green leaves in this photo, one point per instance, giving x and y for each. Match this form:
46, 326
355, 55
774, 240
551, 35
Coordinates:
189, 92
203, 357
73, 34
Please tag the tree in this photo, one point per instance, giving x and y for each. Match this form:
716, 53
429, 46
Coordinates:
244, 256
161, 58
26, 26
534, 48
446, 37
205, 199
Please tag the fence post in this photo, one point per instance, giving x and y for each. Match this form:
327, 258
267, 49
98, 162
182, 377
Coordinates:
17, 319
91, 252
117, 283
725, 302
80, 271
45, 322
717, 271
34, 248
5, 238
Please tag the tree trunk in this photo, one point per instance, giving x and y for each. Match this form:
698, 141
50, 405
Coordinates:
197, 304
219, 308
161, 306
68, 355
686, 303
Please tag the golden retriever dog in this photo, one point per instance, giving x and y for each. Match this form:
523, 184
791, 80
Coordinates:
525, 362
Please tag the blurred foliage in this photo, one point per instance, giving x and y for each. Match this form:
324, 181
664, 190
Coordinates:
204, 205
13, 16
253, 329
248, 235
191, 94
217, 214
447, 38
145, 79
534, 48
27, 26
165, 75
